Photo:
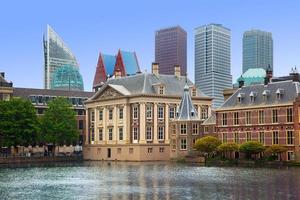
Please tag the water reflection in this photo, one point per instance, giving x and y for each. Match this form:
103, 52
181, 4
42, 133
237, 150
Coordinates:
117, 180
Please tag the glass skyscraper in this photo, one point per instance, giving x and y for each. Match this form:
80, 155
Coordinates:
171, 49
257, 50
212, 61
56, 55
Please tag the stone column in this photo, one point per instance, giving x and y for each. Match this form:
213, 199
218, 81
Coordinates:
95, 125
155, 123
142, 119
199, 111
115, 124
125, 127
87, 126
209, 111
167, 139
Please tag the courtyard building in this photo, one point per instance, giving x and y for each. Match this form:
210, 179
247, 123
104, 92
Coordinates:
268, 113
6, 88
129, 117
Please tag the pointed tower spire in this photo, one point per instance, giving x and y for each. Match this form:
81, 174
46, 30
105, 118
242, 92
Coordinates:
186, 110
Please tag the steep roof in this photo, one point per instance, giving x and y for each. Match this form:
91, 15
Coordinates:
109, 63
186, 109
130, 62
211, 119
146, 83
263, 95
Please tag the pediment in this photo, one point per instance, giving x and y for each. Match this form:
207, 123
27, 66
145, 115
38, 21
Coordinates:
107, 93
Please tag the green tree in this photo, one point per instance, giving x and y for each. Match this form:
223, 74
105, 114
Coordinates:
18, 123
207, 144
251, 147
276, 149
228, 147
59, 125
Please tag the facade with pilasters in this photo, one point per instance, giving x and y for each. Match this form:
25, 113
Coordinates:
128, 118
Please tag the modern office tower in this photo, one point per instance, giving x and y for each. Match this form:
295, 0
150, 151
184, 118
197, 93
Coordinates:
257, 50
212, 61
56, 55
171, 49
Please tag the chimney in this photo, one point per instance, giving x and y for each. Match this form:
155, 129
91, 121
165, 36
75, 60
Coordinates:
177, 70
155, 68
2, 74
118, 73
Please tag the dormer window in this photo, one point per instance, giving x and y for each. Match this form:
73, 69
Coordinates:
279, 93
161, 90
240, 97
252, 96
265, 94
192, 113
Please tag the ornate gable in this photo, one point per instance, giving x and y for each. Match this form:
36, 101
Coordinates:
108, 93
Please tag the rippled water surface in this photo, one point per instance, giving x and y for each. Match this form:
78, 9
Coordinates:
103, 180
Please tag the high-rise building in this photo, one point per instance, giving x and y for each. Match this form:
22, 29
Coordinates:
257, 50
56, 55
212, 61
171, 49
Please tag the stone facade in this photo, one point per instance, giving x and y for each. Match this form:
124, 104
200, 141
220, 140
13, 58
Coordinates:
131, 121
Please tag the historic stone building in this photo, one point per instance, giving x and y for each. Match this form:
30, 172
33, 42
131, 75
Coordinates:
40, 97
128, 118
6, 88
268, 113
185, 128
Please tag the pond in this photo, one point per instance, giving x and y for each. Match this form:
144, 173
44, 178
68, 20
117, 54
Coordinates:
134, 180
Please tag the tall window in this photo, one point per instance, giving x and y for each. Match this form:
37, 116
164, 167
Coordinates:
135, 112
274, 116
80, 124
249, 136
289, 114
110, 114
262, 137
183, 129
93, 135
275, 138
120, 133
224, 119
172, 112
161, 89
248, 117
236, 118
149, 133
121, 113
194, 92
236, 138
183, 144
289, 137
173, 129
224, 137
135, 133
204, 113
149, 112
161, 133
261, 117
92, 116
100, 134
110, 133
195, 129
290, 155
100, 115
160, 112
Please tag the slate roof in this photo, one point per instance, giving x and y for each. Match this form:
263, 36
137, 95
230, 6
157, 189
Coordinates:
211, 119
289, 89
26, 92
186, 109
145, 83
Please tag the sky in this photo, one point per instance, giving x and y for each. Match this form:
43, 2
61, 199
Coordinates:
89, 27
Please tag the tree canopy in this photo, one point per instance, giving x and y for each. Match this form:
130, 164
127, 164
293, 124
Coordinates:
251, 147
59, 125
207, 144
226, 147
18, 123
